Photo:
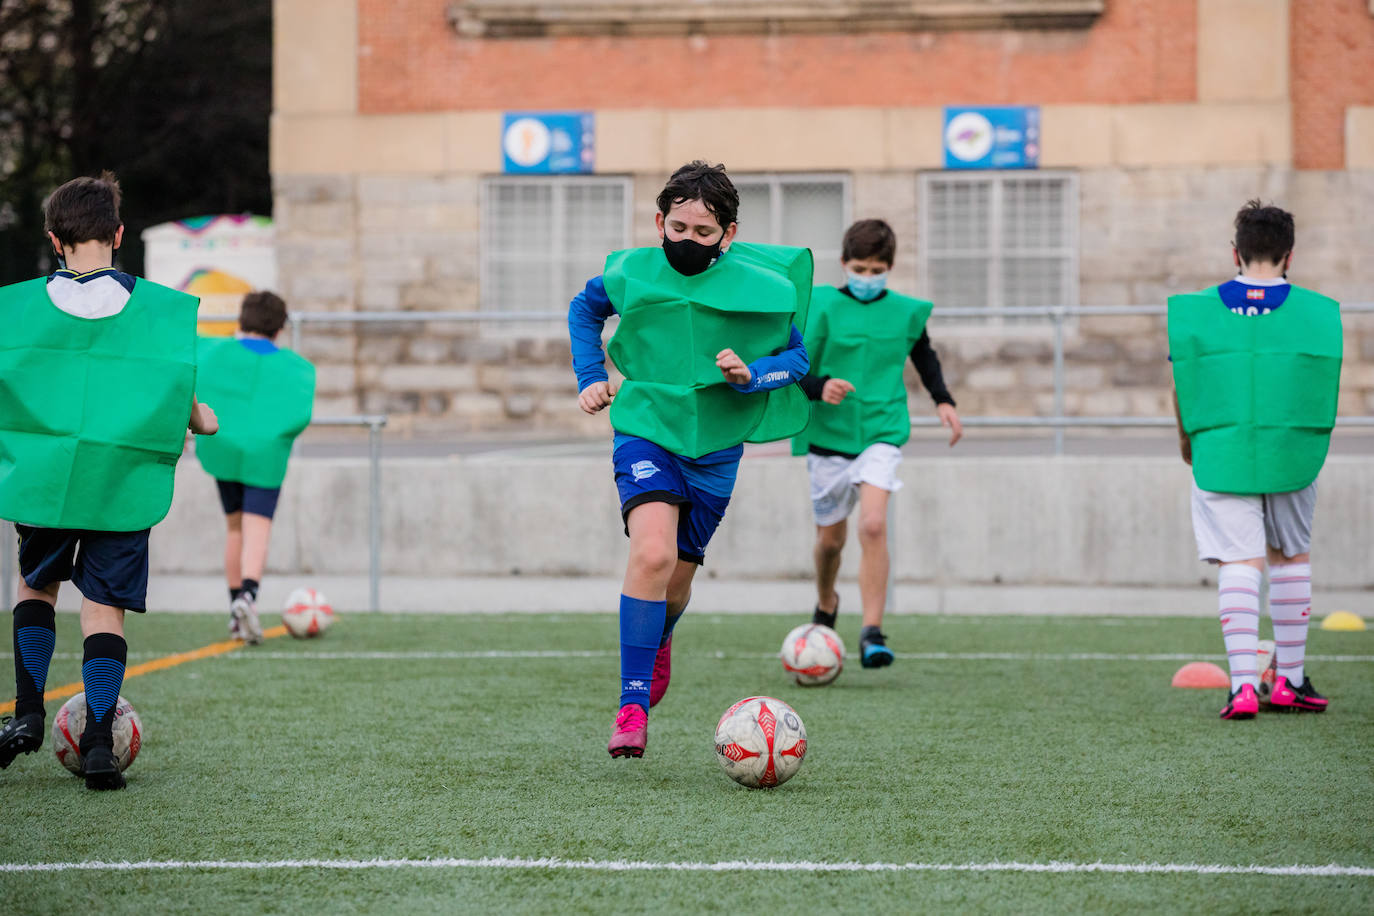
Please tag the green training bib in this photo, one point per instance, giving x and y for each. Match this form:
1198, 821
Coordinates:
93, 412
867, 345
1257, 393
263, 402
672, 327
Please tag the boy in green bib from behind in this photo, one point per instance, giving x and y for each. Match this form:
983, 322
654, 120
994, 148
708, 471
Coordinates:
1257, 367
97, 390
709, 345
859, 337
264, 396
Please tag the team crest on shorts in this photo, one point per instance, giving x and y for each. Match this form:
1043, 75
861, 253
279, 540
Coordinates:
643, 469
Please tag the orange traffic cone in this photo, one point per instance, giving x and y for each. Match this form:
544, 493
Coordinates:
1201, 674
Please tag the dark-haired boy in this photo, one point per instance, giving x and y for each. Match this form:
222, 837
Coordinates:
1257, 364
710, 351
265, 397
859, 337
97, 389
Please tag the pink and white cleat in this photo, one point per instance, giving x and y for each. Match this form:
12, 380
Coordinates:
1302, 698
663, 673
631, 732
1242, 704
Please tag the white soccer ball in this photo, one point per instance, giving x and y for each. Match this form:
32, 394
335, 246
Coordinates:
760, 742
307, 614
813, 654
70, 724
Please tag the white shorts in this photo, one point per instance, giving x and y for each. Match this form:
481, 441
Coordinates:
835, 479
1230, 527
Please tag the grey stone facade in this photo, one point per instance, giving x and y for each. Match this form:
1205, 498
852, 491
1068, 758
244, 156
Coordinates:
398, 244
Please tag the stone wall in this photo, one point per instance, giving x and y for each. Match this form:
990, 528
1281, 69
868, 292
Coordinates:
411, 243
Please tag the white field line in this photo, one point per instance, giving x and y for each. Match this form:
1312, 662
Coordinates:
441, 655
623, 865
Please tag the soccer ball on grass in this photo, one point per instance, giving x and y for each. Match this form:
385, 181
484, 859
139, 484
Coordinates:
307, 614
813, 654
70, 724
760, 742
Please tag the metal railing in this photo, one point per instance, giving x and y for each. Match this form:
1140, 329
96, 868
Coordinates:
1058, 315
374, 424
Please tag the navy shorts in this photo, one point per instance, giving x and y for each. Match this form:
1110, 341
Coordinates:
648, 473
107, 567
239, 497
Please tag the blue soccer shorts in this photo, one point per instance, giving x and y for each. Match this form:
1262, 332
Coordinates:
108, 567
647, 473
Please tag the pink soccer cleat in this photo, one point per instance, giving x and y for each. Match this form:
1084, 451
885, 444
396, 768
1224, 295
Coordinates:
631, 732
1302, 698
663, 673
1242, 704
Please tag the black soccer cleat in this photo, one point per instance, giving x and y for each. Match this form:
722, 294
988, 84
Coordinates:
20, 735
873, 650
102, 769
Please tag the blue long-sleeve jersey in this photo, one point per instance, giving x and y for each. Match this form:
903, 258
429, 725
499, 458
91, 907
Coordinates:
587, 314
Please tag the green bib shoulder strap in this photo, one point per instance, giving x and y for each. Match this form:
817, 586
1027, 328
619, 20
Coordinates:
672, 327
867, 345
263, 402
93, 412
1256, 393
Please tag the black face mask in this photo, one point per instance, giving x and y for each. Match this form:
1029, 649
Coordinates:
690, 258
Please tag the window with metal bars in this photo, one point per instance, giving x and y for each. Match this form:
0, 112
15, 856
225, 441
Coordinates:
999, 240
543, 237
809, 211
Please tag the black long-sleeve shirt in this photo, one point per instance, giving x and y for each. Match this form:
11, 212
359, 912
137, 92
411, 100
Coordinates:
923, 357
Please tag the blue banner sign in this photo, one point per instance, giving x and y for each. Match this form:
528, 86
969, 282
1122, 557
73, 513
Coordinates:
997, 137
548, 143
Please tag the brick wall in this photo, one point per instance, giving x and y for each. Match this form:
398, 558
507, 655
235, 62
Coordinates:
1332, 60
411, 60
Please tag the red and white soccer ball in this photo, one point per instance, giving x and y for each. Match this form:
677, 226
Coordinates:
813, 654
70, 724
307, 614
760, 742
1264, 664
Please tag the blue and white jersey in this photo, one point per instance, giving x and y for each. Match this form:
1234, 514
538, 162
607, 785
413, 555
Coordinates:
1247, 296
94, 294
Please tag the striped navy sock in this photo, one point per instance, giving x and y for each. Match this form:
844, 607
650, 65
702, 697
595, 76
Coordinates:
35, 636
102, 671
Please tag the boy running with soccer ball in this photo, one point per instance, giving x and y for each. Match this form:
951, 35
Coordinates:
709, 347
97, 382
859, 337
1257, 365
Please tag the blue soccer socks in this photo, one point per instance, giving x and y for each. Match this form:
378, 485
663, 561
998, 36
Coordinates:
102, 671
35, 636
641, 630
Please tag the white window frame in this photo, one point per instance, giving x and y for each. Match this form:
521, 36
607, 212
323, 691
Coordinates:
997, 251
775, 182
558, 238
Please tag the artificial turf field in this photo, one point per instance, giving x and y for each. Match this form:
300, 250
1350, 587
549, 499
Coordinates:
992, 743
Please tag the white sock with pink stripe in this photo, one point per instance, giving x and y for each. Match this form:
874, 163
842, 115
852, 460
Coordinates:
1238, 588
1290, 606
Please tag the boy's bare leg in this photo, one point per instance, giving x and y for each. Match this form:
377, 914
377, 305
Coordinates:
653, 551
829, 545
680, 587
233, 550
874, 562
101, 618
257, 531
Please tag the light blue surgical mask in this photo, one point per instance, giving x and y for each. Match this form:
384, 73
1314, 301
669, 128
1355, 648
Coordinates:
866, 287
